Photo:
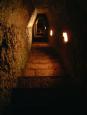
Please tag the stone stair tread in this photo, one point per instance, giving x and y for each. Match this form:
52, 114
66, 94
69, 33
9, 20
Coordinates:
43, 61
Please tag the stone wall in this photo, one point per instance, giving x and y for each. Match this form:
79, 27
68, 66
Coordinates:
70, 16
59, 22
14, 43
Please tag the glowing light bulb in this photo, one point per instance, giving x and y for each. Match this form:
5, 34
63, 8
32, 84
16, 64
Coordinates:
45, 28
51, 32
65, 36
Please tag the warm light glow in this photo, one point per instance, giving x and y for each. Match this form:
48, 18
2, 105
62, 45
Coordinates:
65, 36
45, 28
51, 32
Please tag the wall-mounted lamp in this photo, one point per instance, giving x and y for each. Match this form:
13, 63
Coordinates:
65, 37
51, 32
45, 27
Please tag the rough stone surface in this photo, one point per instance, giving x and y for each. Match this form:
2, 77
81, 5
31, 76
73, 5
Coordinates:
14, 45
14, 17
43, 62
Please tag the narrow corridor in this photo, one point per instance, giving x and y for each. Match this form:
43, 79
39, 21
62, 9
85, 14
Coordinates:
43, 61
43, 68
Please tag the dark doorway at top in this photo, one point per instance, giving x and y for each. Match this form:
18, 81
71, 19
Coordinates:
40, 29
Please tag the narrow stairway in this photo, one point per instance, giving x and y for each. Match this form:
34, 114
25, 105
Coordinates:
43, 61
44, 85
43, 68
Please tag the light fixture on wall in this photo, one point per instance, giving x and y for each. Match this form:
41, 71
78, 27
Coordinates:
51, 32
45, 27
65, 37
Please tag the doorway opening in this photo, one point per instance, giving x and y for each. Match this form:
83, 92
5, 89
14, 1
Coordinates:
40, 28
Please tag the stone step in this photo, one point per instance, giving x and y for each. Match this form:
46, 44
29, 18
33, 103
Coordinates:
37, 82
38, 61
44, 66
43, 72
43, 62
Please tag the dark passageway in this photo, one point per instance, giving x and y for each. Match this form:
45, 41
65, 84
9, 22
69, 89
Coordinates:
43, 56
40, 28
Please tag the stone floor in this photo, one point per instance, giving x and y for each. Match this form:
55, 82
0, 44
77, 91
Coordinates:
45, 87
44, 69
43, 61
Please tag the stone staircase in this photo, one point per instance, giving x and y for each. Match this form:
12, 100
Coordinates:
43, 61
43, 69
44, 85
